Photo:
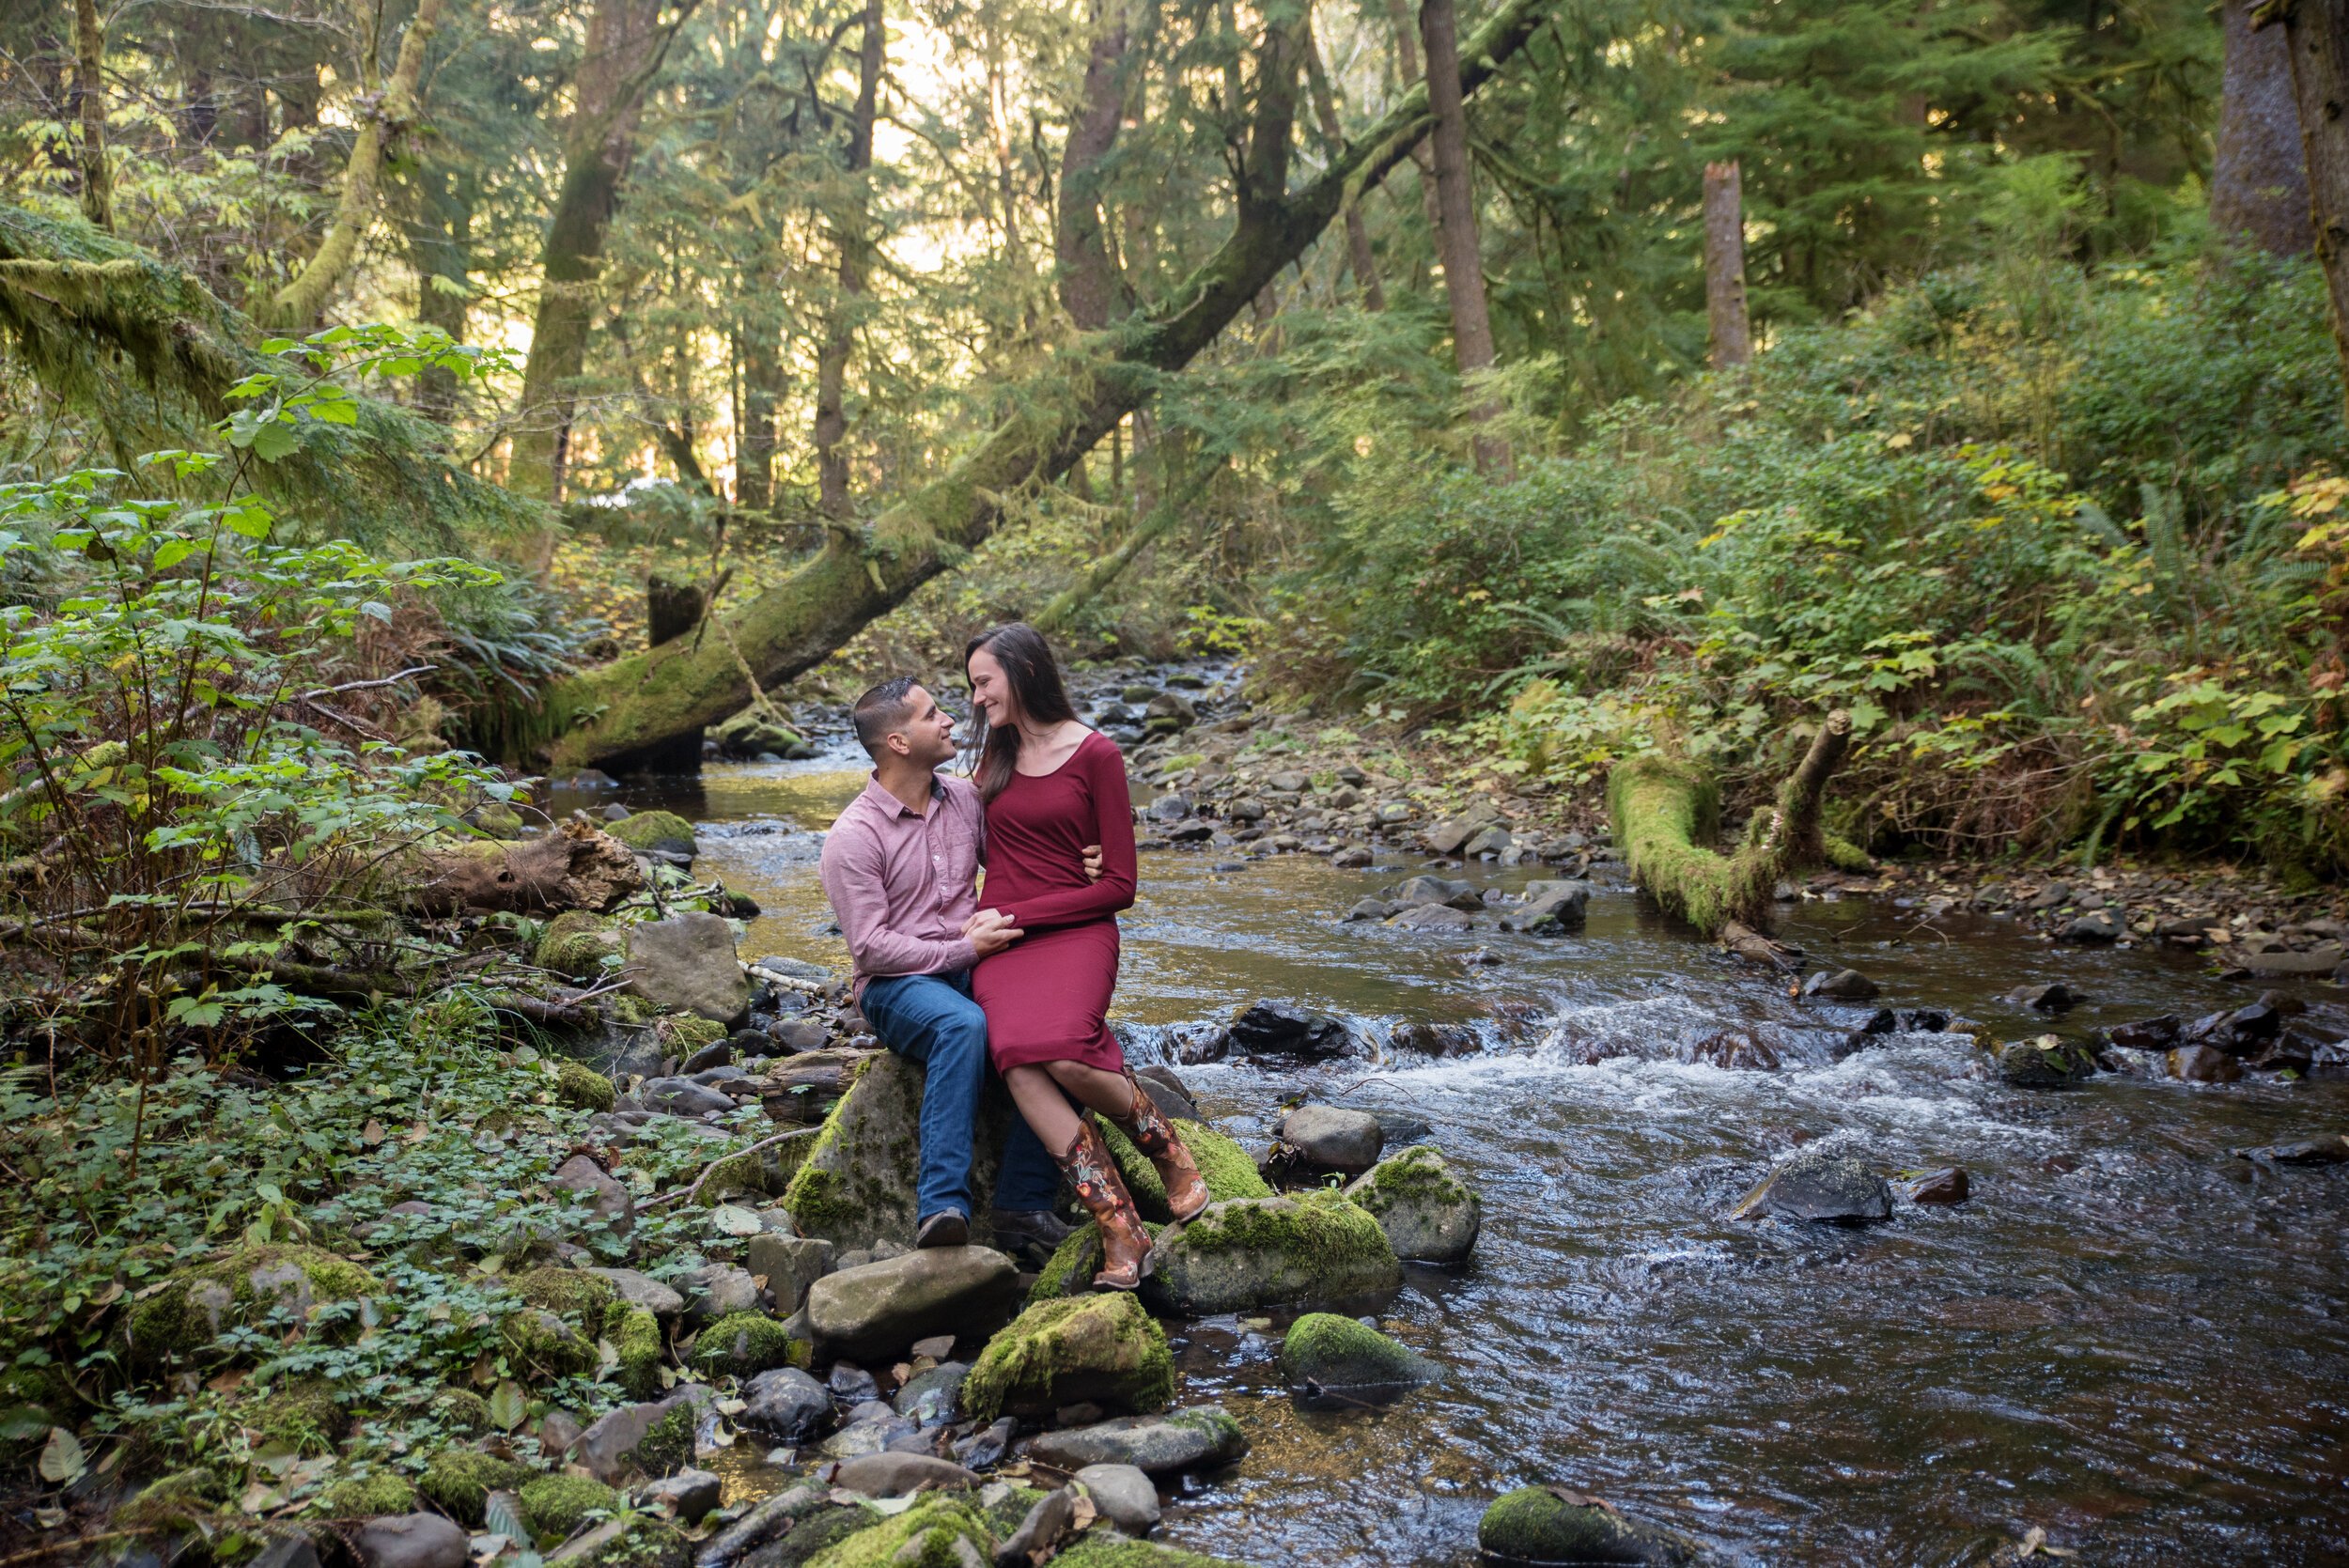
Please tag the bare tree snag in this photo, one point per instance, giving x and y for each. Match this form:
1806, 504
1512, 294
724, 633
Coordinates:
90, 96
1357, 251
1725, 266
1455, 236
2316, 35
575, 867
618, 710
2258, 179
384, 114
1667, 814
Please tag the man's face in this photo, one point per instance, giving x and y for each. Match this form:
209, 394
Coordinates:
927, 735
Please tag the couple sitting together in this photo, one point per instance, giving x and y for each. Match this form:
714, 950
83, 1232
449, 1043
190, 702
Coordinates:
1020, 973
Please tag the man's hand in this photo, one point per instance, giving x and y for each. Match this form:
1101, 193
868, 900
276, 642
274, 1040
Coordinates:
990, 931
1093, 863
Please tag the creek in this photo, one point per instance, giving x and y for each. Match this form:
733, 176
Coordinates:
2128, 1337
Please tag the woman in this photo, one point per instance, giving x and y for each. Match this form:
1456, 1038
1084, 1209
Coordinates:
1052, 788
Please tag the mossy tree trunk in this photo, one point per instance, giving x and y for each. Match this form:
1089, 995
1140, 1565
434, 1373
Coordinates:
1666, 815
1456, 239
90, 98
1107, 570
2316, 35
617, 712
1358, 252
2259, 180
1088, 278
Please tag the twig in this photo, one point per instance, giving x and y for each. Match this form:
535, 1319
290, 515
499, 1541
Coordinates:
369, 685
690, 1193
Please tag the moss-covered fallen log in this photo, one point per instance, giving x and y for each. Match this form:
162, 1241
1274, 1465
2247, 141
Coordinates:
1667, 814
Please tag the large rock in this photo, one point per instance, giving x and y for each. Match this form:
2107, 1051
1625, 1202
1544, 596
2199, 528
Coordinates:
1433, 917
641, 1289
893, 1475
787, 1405
786, 1266
1447, 836
682, 1097
880, 1309
856, 1187
1195, 1439
1550, 909
654, 1438
198, 1305
1279, 1028
1228, 1170
412, 1541
687, 962
1101, 1349
1818, 1184
1426, 1211
717, 1290
1315, 1247
1345, 1362
1553, 1525
1422, 890
1331, 1137
656, 833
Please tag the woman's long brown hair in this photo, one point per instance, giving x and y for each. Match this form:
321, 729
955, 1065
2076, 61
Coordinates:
1035, 685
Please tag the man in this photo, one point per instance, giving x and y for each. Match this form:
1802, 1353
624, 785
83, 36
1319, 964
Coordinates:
900, 866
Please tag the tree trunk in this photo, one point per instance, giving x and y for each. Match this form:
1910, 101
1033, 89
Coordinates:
439, 247
1422, 156
762, 398
382, 116
1358, 250
1088, 278
578, 867
1456, 237
89, 97
1725, 266
831, 361
625, 45
2259, 179
671, 609
621, 708
2316, 35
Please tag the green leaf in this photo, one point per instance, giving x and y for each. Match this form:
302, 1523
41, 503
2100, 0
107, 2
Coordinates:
734, 1219
509, 1410
62, 1460
272, 441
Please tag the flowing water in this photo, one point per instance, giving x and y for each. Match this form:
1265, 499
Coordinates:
2128, 1337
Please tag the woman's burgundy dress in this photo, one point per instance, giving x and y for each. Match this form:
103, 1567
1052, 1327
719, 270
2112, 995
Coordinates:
1046, 996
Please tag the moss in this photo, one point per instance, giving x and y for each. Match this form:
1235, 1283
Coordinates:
583, 1088
542, 1344
460, 1410
640, 1345
459, 1481
1070, 1269
731, 1177
192, 1493
1340, 1353
1417, 1173
1534, 1525
556, 1505
649, 1543
1223, 1165
587, 1299
683, 1034
924, 1536
303, 1416
668, 1443
1322, 1223
1664, 812
654, 830
188, 1314
1100, 1548
630, 1008
742, 1343
1103, 1348
812, 1537
575, 944
817, 1197
369, 1497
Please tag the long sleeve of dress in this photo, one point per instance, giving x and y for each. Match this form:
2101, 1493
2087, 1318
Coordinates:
1104, 769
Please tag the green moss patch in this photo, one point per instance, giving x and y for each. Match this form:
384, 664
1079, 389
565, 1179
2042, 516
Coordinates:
459, 1481
188, 1315
654, 830
583, 1088
639, 1342
925, 1536
1100, 1349
744, 1343
303, 1417
1100, 1548
575, 944
554, 1506
586, 1299
1223, 1165
369, 1497
1326, 1352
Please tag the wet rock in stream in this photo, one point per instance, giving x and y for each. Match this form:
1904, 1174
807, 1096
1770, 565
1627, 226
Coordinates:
1336, 1362
1819, 1184
1282, 1029
2047, 1062
1553, 1525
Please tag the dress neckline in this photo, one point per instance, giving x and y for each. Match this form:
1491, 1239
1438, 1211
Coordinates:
1079, 746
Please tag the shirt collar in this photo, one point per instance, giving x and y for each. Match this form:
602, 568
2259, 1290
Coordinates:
890, 804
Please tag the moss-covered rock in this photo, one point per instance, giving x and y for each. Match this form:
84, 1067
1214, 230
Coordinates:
1313, 1247
924, 1536
639, 1342
554, 1506
1428, 1211
188, 1493
369, 1497
460, 1410
648, 831
575, 944
583, 1088
540, 1345
856, 1187
1100, 1349
1223, 1165
459, 1481
196, 1305
303, 1416
578, 1297
1327, 1355
1100, 1548
1545, 1524
744, 1343
681, 1034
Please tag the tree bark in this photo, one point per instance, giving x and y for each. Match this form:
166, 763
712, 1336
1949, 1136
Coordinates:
1456, 237
1088, 278
624, 46
578, 867
440, 248
2316, 37
1725, 266
619, 710
383, 115
831, 360
1424, 157
762, 399
90, 96
1358, 252
2258, 179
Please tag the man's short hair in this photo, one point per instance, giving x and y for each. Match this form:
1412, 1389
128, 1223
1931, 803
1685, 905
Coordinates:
882, 711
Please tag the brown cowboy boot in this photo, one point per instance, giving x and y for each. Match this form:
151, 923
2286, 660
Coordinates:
1125, 1245
1155, 1136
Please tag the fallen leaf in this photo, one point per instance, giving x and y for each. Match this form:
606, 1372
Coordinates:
62, 1459
372, 1133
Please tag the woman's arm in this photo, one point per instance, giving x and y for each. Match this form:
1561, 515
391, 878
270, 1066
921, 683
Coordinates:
1104, 771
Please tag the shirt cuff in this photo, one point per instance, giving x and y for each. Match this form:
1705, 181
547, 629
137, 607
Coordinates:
960, 955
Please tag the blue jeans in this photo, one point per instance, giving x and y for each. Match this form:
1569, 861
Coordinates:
930, 1018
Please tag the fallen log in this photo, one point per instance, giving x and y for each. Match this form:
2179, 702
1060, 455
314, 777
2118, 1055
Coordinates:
1666, 810
576, 867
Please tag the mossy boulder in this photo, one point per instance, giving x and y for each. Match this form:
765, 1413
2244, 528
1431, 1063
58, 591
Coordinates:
1347, 1361
1428, 1211
458, 1481
1104, 1349
542, 1344
583, 1088
575, 944
1313, 1247
646, 831
460, 1410
856, 1185
554, 1506
1552, 1524
192, 1493
196, 1305
1223, 1165
1100, 1548
744, 1343
587, 1299
303, 1416
638, 1341
940, 1531
369, 1497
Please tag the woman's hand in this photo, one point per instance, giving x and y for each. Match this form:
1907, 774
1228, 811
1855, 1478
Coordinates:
990, 931
1093, 863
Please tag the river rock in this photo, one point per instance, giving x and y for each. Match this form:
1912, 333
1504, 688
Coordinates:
1817, 1183
653, 1439
1101, 1349
1282, 1029
1341, 1360
856, 1187
2310, 1151
717, 1290
1550, 909
2053, 996
2240, 1033
2322, 959
1170, 710
1416, 891
1433, 917
1428, 1214
687, 962
933, 1396
2203, 1065
1447, 837
783, 1267
610, 1200
1557, 1525
682, 1097
2049, 1062
1125, 1497
787, 1405
686, 1496
1841, 985
877, 1311
1949, 1184
2096, 926
1334, 1140
1199, 1438
893, 1475
640, 1290
1249, 1252
2159, 1033
1436, 1039
1168, 1092
412, 1541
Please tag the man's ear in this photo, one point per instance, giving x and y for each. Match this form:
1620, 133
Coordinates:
896, 740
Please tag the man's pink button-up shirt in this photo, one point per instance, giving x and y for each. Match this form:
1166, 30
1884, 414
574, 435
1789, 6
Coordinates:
901, 884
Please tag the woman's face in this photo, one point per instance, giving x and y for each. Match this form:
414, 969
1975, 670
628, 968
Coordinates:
990, 691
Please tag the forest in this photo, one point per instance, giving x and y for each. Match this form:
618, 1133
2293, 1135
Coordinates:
448, 445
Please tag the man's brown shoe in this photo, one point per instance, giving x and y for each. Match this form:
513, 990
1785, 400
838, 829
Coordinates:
946, 1228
